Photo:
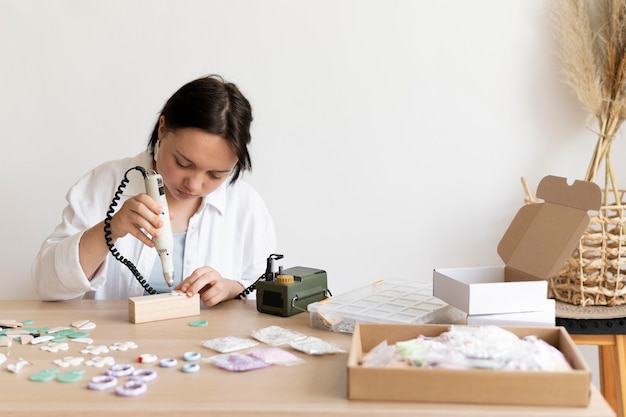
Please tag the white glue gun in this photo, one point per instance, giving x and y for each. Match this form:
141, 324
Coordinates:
165, 242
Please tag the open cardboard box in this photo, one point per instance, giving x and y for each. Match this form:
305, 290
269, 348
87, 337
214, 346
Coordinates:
566, 388
534, 248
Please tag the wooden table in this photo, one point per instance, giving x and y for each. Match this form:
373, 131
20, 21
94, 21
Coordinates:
612, 363
315, 388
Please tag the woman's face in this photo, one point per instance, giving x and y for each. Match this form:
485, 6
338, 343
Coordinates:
192, 162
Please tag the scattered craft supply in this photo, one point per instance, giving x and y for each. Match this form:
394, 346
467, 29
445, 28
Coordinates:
147, 358
123, 346
168, 363
315, 346
71, 376
10, 323
54, 347
84, 325
237, 362
199, 323
58, 329
69, 361
102, 382
100, 362
131, 389
17, 366
144, 375
229, 343
120, 370
191, 367
41, 339
275, 356
95, 350
85, 340
44, 376
191, 356
276, 335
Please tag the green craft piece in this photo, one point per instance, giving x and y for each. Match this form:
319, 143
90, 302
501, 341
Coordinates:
64, 332
26, 322
71, 376
59, 339
44, 376
198, 323
76, 335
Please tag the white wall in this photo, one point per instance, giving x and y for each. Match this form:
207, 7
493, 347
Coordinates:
389, 136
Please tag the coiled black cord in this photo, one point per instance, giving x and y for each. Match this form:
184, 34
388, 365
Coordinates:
267, 276
107, 231
249, 290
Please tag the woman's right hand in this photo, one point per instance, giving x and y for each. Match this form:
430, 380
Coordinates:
137, 216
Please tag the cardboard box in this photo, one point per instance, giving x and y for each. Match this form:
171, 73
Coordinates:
483, 290
566, 388
545, 317
534, 248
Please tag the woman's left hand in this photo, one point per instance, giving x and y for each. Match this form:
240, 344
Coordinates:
211, 285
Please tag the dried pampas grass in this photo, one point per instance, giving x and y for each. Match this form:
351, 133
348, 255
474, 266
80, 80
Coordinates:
592, 37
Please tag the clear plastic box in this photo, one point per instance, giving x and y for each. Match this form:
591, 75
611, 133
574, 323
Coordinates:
384, 301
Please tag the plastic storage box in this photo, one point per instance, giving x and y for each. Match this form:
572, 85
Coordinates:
384, 301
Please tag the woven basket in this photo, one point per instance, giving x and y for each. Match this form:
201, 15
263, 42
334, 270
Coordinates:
595, 273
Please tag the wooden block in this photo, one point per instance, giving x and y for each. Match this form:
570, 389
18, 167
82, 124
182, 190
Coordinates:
162, 307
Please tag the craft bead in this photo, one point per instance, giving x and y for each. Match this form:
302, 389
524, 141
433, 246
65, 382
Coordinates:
102, 382
120, 370
168, 363
147, 358
131, 389
191, 368
191, 356
144, 375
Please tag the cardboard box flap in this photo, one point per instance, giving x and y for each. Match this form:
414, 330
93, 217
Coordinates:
543, 235
581, 195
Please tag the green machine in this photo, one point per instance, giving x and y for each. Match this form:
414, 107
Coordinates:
291, 290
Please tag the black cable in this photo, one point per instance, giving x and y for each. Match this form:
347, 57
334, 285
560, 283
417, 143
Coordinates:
267, 276
107, 231
249, 290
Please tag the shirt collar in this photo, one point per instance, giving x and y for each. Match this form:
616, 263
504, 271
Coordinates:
217, 198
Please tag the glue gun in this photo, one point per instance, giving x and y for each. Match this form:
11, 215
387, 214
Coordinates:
165, 242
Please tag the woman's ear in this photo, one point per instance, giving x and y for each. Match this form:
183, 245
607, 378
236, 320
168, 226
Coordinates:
156, 148
161, 128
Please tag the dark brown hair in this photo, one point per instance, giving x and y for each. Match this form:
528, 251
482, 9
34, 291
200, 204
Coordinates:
215, 106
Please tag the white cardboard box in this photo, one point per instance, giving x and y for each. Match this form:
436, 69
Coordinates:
483, 290
534, 248
544, 318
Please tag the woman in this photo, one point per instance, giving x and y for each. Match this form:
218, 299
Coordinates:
222, 230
